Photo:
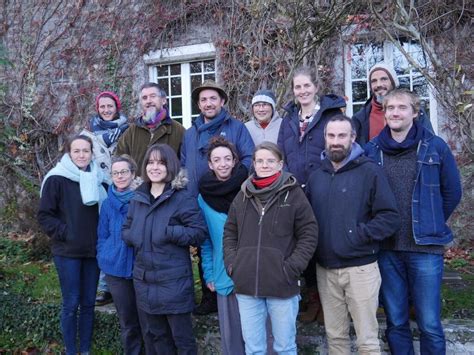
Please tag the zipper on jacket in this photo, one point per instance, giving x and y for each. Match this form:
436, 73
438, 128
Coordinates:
261, 216
259, 243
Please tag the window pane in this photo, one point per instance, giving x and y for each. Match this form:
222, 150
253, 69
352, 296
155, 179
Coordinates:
163, 83
196, 67
420, 86
175, 69
374, 54
175, 86
359, 91
176, 107
195, 109
195, 81
162, 70
209, 66
356, 108
210, 77
404, 82
400, 62
178, 119
425, 105
358, 66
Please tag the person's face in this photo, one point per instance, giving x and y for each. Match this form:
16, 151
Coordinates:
304, 90
107, 108
266, 163
122, 176
399, 113
262, 111
81, 153
339, 139
380, 83
156, 169
210, 103
150, 99
221, 163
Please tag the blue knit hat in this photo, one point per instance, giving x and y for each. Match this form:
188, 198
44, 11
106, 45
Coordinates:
265, 96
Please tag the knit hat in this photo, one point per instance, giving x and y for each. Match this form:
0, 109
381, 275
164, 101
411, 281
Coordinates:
388, 68
265, 96
110, 95
209, 85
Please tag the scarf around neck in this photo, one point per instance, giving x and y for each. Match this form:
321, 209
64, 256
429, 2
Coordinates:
90, 182
264, 194
392, 147
220, 194
155, 121
209, 129
123, 196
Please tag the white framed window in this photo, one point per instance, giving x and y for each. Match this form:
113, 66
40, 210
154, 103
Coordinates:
179, 71
360, 57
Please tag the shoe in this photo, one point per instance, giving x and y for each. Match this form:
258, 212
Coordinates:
103, 298
206, 307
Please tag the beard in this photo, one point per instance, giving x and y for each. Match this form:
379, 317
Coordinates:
150, 114
339, 155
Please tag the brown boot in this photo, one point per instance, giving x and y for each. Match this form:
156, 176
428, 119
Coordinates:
314, 310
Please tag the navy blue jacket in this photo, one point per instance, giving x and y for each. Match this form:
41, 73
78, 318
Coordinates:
361, 122
301, 158
437, 189
355, 209
194, 158
113, 255
161, 232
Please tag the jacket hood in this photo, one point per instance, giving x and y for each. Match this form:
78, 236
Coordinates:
355, 157
289, 181
180, 181
330, 101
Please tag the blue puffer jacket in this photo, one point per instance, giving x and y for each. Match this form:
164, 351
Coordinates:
361, 122
437, 189
194, 157
301, 158
212, 250
161, 232
114, 256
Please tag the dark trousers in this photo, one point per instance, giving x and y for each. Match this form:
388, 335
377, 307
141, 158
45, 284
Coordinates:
123, 294
168, 334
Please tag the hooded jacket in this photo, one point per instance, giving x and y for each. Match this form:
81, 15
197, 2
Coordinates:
194, 156
355, 209
161, 232
266, 250
137, 138
301, 158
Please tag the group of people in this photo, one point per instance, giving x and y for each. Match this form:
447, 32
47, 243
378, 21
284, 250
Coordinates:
353, 209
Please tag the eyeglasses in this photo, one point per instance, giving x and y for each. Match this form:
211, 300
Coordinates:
266, 161
262, 105
124, 172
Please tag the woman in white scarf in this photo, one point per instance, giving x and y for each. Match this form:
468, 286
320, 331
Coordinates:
69, 210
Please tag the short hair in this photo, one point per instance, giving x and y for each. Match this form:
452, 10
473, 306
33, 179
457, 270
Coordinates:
396, 93
341, 118
311, 73
150, 84
219, 141
169, 158
75, 137
126, 159
272, 147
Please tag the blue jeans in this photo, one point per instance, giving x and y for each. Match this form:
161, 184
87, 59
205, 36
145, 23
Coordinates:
253, 316
418, 275
78, 280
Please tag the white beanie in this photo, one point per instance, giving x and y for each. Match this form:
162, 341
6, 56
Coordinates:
265, 96
388, 68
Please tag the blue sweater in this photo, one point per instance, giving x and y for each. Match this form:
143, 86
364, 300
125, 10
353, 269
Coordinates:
212, 252
114, 256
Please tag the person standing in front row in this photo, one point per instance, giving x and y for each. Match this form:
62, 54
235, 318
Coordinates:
69, 212
355, 210
217, 189
269, 237
163, 221
424, 177
301, 139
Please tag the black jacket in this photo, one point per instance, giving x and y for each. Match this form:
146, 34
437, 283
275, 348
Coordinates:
355, 209
361, 122
71, 225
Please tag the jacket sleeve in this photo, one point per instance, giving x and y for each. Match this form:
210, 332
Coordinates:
127, 224
49, 210
103, 230
385, 221
451, 189
207, 263
281, 141
183, 151
306, 235
425, 120
187, 227
122, 145
231, 234
245, 146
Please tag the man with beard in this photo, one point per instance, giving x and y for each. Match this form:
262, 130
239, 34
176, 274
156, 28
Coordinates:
213, 121
355, 209
152, 127
369, 120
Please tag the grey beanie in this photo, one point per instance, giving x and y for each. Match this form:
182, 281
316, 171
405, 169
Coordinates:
389, 70
265, 96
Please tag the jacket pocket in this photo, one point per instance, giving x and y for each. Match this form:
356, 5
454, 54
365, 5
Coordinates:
351, 244
430, 170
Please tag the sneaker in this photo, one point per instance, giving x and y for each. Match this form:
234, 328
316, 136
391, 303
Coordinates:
103, 298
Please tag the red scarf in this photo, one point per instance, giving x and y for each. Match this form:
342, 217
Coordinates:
376, 119
261, 183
